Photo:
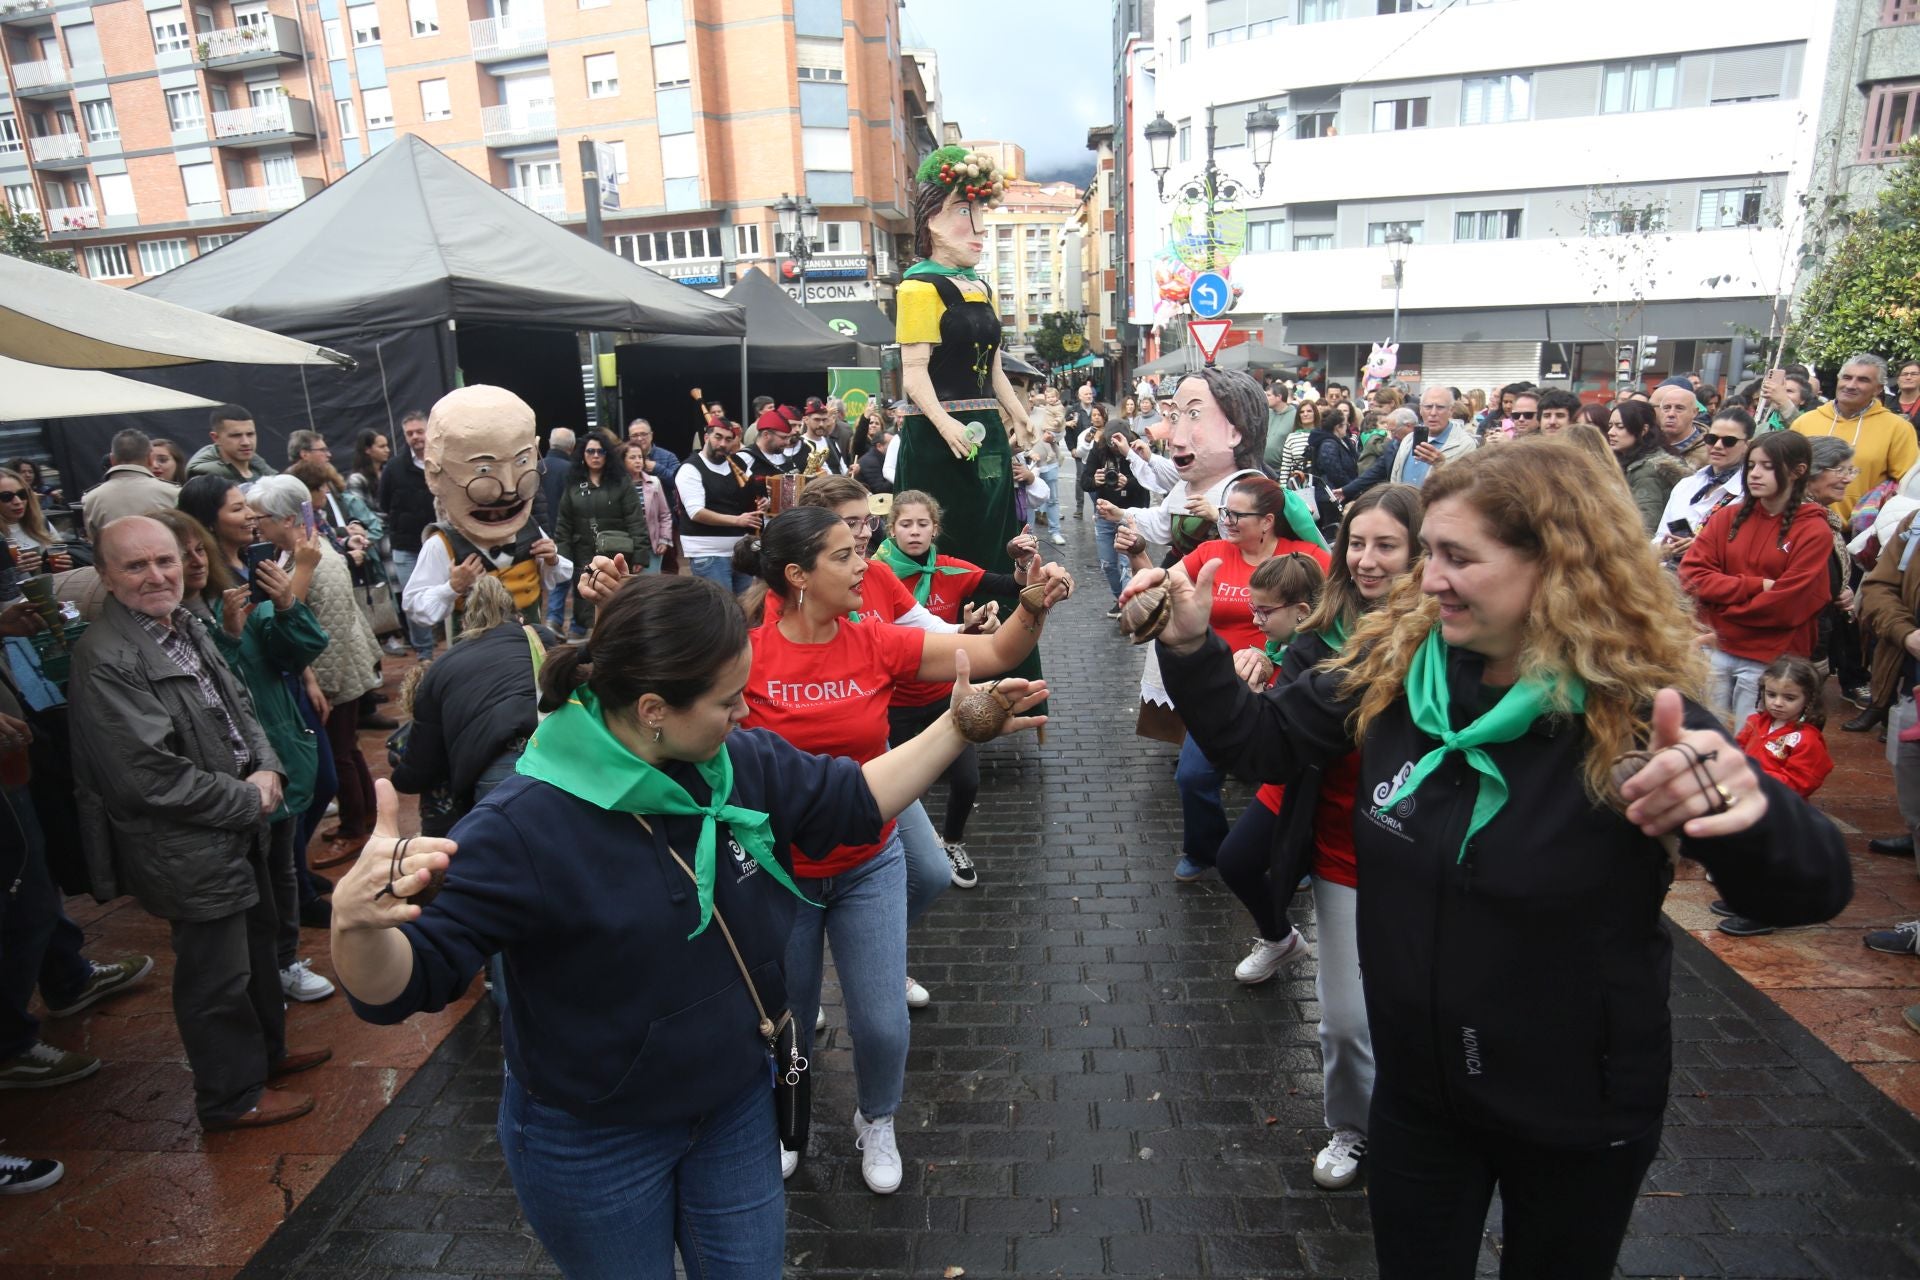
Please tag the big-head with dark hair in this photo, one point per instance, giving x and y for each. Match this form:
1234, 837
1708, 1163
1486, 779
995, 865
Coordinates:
1219, 425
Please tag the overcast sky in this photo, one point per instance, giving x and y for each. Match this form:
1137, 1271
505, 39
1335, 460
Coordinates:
1033, 72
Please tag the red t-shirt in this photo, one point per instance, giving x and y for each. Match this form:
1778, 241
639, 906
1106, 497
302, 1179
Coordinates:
944, 598
831, 699
1333, 822
1232, 592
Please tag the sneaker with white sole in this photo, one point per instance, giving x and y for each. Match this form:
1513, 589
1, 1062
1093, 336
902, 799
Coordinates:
1339, 1161
879, 1154
1059, 540
103, 981
918, 997
961, 864
789, 1161
19, 1175
1901, 940
820, 1020
1268, 958
42, 1066
299, 982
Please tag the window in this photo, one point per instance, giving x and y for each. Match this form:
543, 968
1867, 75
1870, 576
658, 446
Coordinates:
833, 74
1399, 113
336, 38
201, 185
826, 149
1731, 207
746, 240
170, 35
840, 237
1639, 86
1314, 124
21, 199
699, 244
108, 262
9, 135
425, 15
670, 70
1620, 222
184, 110
1183, 45
1232, 21
595, 4
379, 104
819, 60
603, 76
1377, 231
116, 196
1183, 150
161, 255
1895, 13
1890, 120
613, 162
1266, 236
679, 157
102, 124
209, 243
1496, 99
434, 102
1312, 244
1487, 224
349, 118
364, 19
1401, 6
1319, 10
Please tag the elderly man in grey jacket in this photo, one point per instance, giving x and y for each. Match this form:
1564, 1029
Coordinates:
175, 780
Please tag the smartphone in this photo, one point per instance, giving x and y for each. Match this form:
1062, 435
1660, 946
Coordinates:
1419, 436
306, 518
1679, 528
256, 554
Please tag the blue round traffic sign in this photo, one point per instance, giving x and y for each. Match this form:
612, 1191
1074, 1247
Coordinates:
1210, 294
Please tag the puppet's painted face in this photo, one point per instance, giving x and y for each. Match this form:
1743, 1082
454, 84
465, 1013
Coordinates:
483, 463
1202, 441
956, 232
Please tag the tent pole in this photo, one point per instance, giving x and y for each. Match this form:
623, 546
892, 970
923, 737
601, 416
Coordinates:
743, 380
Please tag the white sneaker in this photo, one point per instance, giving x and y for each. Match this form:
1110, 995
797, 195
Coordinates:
1059, 541
333, 808
918, 997
299, 982
1268, 958
879, 1154
1339, 1161
820, 1020
789, 1161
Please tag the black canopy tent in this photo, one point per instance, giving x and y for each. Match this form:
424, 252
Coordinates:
389, 265
865, 323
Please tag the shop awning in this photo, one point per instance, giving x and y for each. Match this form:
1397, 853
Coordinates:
1600, 322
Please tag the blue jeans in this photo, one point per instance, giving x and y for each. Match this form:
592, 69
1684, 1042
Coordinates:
720, 569
1203, 818
419, 634
557, 603
863, 914
616, 1201
1052, 505
1112, 563
928, 872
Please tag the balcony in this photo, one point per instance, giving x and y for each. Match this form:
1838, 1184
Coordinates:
235, 48
62, 149
41, 79
24, 10
552, 201
79, 218
496, 39
288, 120
273, 199
507, 125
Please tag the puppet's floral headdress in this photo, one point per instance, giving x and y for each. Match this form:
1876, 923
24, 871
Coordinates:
971, 172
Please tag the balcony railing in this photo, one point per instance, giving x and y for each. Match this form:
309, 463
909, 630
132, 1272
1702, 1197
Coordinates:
79, 218
266, 121
551, 201
31, 75
17, 10
1899, 12
270, 199
277, 40
507, 122
507, 37
58, 146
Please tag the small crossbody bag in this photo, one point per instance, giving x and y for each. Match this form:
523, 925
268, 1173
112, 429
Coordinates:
792, 1085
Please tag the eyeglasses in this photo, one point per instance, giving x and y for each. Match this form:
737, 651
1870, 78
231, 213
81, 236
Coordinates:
1228, 516
857, 524
1261, 612
1725, 442
487, 490
1517, 416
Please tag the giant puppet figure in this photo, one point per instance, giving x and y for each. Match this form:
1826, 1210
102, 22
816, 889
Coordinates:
483, 466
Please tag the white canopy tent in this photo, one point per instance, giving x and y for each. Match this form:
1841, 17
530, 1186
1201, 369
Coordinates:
34, 391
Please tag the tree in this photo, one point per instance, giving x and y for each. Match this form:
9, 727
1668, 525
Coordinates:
1058, 339
21, 236
1865, 292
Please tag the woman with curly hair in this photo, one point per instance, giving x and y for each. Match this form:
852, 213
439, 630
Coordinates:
1516, 966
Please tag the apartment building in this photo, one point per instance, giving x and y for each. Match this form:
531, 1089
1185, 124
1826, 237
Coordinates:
1025, 255
1559, 184
704, 115
1871, 105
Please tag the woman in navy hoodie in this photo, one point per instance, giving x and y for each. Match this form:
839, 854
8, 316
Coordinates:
637, 1116
1514, 958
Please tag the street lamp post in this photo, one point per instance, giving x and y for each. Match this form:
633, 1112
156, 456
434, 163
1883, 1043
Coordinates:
799, 224
1397, 243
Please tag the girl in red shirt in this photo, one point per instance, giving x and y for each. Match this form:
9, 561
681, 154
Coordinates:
824, 684
1784, 737
942, 585
1253, 518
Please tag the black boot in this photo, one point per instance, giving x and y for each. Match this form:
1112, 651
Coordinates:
1869, 718
1895, 846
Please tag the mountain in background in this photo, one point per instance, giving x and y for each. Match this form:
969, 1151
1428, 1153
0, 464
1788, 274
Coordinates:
1079, 173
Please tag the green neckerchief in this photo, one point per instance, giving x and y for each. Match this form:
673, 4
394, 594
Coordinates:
928, 267
1300, 519
574, 751
1428, 697
1335, 635
905, 566
1275, 652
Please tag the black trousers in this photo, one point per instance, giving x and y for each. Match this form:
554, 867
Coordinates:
227, 1000
1245, 863
962, 776
1430, 1181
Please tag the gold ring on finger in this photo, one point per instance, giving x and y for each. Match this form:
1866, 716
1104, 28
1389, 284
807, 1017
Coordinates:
1726, 797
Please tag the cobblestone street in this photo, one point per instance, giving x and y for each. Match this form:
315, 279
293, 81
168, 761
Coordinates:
1091, 1092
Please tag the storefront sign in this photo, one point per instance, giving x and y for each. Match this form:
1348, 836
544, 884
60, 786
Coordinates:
829, 268
832, 290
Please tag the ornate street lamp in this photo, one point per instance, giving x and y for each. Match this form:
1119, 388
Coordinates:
1398, 241
799, 225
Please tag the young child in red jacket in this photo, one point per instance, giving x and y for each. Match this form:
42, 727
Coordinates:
1784, 736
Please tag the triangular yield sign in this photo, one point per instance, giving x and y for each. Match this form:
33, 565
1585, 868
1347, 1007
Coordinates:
1208, 335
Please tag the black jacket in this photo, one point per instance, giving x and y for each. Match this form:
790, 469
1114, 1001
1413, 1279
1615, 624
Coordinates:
1335, 460
872, 471
405, 498
1519, 987
556, 469
472, 705
1121, 489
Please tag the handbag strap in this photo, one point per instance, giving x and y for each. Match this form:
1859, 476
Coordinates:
766, 1024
